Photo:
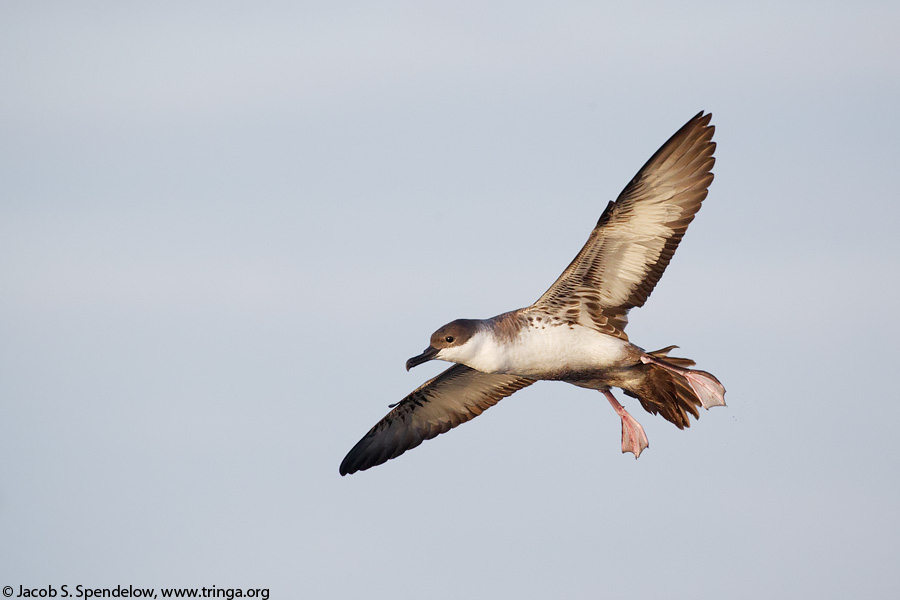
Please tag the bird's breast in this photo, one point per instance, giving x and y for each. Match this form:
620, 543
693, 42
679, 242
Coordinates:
553, 352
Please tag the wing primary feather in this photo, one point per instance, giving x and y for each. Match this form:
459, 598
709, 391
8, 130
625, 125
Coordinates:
637, 235
457, 395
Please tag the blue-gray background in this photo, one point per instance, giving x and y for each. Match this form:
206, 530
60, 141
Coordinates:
225, 227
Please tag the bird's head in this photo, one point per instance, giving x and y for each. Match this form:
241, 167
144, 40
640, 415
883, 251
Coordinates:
450, 343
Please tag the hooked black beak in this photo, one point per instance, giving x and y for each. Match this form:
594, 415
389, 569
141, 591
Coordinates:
429, 353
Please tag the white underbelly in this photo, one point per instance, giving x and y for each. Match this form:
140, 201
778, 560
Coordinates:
547, 353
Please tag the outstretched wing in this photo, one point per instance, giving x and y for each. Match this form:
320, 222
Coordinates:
457, 395
636, 236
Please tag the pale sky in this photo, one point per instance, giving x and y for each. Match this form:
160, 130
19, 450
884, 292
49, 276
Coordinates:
224, 229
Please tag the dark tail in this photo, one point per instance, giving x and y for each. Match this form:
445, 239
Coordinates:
666, 392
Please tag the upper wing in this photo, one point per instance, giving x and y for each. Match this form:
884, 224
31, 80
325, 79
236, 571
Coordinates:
636, 236
453, 397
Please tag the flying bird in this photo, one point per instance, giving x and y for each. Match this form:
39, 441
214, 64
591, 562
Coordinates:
575, 332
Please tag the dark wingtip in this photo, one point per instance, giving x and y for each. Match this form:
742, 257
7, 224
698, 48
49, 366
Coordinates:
347, 468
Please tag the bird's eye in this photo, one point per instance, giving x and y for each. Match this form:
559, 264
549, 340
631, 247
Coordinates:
449, 339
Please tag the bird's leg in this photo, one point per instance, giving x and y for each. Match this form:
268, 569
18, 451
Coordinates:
707, 388
634, 439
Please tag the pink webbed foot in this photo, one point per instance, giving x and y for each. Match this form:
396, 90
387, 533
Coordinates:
634, 439
708, 389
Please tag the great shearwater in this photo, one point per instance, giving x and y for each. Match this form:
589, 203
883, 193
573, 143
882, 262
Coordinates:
575, 332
